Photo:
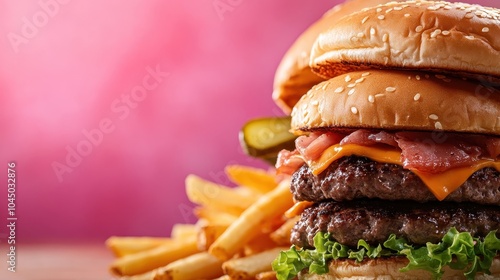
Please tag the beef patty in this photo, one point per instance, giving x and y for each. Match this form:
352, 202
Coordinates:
357, 177
374, 220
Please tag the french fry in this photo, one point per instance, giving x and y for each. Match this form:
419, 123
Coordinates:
157, 257
122, 246
206, 193
208, 234
236, 235
183, 230
198, 266
249, 267
144, 276
214, 216
247, 226
282, 235
267, 275
258, 244
253, 178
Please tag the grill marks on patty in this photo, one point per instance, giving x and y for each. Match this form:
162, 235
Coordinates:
357, 177
374, 220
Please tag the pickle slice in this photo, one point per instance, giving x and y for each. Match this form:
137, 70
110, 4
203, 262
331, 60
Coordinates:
264, 138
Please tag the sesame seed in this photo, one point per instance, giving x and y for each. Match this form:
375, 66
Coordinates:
470, 37
388, 10
354, 39
447, 80
347, 78
433, 117
385, 38
379, 95
364, 19
365, 74
351, 85
381, 17
435, 33
390, 89
371, 98
447, 7
379, 10
440, 76
469, 15
315, 102
438, 125
354, 110
407, 15
372, 31
360, 80
361, 35
417, 77
416, 97
398, 8
339, 90
351, 91
409, 77
419, 28
485, 29
446, 33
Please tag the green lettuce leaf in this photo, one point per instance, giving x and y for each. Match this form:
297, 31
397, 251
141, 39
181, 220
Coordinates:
457, 250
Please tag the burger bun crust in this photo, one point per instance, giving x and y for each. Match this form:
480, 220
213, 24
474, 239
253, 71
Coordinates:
293, 77
399, 100
419, 35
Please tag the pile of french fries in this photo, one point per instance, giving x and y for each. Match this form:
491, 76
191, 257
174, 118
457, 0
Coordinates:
239, 232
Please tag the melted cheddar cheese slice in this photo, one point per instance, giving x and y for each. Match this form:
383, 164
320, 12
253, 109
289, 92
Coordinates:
440, 184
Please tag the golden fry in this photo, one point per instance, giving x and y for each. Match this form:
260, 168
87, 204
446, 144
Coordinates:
213, 195
282, 235
253, 178
157, 257
258, 244
208, 234
267, 275
247, 226
144, 276
122, 246
214, 216
249, 267
198, 266
236, 235
183, 230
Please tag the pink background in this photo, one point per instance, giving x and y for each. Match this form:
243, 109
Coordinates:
69, 68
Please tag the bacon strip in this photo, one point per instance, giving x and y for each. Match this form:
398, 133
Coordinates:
431, 152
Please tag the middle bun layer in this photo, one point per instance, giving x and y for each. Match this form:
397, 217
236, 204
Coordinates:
399, 100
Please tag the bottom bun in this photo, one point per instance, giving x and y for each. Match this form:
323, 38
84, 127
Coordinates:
387, 269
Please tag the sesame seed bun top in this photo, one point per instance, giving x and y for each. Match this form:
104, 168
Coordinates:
419, 35
293, 76
399, 100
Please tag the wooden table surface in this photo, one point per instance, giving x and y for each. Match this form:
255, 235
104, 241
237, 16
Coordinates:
59, 261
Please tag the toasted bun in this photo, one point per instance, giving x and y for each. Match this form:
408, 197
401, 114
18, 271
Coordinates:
424, 35
399, 100
388, 269
294, 77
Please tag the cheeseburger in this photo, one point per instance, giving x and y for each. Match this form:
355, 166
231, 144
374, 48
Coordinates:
396, 170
